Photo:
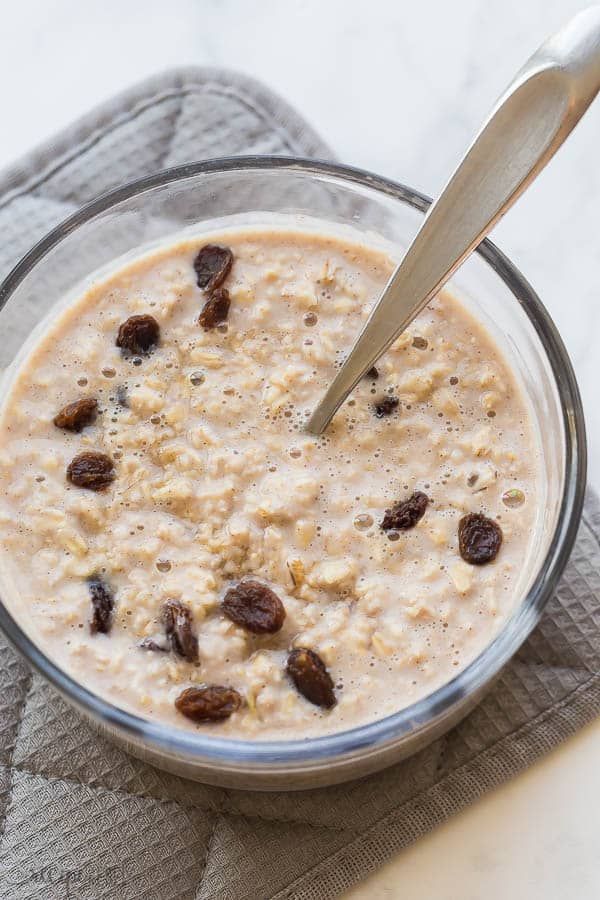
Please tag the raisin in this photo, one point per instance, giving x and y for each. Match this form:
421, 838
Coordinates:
138, 334
372, 374
212, 266
215, 310
151, 644
406, 513
103, 604
91, 470
386, 406
75, 416
479, 539
311, 678
208, 704
254, 607
420, 343
177, 619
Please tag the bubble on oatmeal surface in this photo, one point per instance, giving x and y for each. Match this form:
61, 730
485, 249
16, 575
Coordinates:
363, 521
513, 498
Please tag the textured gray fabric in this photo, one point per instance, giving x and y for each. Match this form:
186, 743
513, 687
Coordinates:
81, 819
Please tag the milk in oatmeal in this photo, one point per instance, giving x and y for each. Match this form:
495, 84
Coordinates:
145, 575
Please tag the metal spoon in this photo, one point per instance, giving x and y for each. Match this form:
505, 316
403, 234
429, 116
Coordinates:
525, 129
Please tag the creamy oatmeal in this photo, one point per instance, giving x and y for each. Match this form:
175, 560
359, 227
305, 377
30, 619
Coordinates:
179, 544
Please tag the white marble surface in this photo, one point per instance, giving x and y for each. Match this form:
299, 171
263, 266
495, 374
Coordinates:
397, 87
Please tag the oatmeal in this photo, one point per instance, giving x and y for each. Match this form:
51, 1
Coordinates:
176, 541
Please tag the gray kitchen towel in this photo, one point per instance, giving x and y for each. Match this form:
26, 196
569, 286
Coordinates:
79, 818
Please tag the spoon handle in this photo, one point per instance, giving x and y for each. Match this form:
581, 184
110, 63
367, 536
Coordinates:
526, 127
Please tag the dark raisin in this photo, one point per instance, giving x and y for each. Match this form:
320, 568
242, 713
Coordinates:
385, 406
208, 704
212, 266
177, 619
75, 416
254, 607
372, 374
150, 644
122, 396
311, 678
479, 539
138, 334
420, 343
406, 513
103, 604
215, 310
91, 470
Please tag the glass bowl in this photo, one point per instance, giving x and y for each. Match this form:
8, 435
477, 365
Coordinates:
241, 190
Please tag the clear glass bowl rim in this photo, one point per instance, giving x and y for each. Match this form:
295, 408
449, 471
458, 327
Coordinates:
412, 719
